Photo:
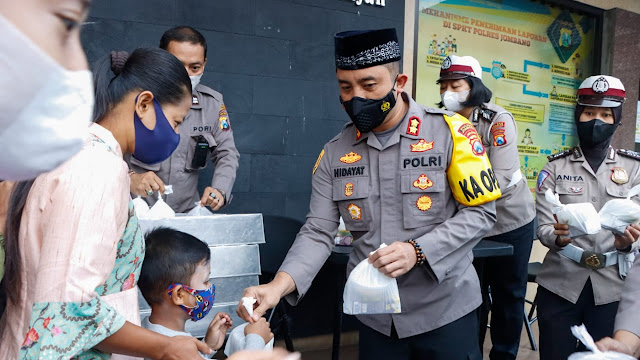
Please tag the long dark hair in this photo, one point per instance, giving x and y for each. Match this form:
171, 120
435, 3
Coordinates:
115, 76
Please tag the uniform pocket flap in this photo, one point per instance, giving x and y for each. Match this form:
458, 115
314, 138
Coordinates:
347, 189
616, 190
419, 182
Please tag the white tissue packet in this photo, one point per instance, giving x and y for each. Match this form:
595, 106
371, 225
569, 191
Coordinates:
368, 291
248, 302
582, 218
617, 214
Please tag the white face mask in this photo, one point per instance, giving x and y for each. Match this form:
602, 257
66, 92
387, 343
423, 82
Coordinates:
45, 110
195, 80
453, 100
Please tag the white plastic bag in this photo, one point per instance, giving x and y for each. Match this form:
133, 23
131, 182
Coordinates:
617, 214
368, 291
582, 218
160, 210
581, 333
141, 207
237, 341
199, 210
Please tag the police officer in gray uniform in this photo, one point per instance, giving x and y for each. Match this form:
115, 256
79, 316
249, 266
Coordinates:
582, 277
205, 135
462, 91
626, 338
386, 175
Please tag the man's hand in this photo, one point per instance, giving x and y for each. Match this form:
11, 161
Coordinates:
218, 330
213, 198
394, 260
562, 233
623, 341
146, 184
260, 327
630, 236
267, 296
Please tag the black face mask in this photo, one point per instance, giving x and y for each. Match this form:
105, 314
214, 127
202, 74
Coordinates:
368, 114
594, 132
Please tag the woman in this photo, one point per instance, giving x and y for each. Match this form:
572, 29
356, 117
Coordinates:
581, 278
462, 91
73, 246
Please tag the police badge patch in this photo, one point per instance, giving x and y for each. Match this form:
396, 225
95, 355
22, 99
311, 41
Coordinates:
601, 85
542, 176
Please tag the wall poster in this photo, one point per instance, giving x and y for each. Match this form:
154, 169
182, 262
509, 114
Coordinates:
533, 58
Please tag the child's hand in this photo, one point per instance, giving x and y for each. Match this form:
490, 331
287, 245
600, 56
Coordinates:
260, 327
218, 330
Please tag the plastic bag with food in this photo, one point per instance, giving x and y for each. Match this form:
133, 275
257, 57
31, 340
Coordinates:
368, 291
582, 218
617, 214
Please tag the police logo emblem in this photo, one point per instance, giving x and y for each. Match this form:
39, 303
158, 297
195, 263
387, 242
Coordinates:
424, 203
421, 146
348, 189
576, 189
354, 211
385, 106
601, 85
446, 63
619, 175
423, 182
350, 158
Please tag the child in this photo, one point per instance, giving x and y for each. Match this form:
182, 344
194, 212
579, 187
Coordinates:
174, 280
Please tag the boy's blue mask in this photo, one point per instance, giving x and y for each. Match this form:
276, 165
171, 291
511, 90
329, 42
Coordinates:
154, 146
204, 301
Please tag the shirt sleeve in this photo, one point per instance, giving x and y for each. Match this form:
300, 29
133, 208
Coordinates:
546, 180
84, 211
504, 149
225, 156
628, 317
254, 342
316, 235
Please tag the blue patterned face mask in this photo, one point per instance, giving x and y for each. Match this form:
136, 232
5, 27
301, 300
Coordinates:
204, 301
154, 146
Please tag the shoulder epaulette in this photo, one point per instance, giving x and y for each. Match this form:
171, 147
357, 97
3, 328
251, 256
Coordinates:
431, 110
560, 155
203, 89
487, 114
629, 153
345, 128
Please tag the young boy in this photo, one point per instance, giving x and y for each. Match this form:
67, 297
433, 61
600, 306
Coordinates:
174, 280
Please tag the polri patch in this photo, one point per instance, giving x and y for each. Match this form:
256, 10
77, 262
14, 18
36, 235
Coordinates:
542, 176
348, 189
413, 128
354, 211
351, 158
421, 146
424, 203
423, 182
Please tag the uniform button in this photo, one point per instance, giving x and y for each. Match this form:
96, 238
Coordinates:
593, 199
621, 193
448, 272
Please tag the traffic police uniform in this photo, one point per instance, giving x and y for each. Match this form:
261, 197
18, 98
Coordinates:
586, 288
207, 120
515, 211
400, 191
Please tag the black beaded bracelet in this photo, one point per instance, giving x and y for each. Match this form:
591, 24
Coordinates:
419, 253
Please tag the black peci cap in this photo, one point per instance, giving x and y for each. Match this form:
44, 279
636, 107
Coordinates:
361, 49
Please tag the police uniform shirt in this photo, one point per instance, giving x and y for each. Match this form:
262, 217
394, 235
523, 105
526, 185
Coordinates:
208, 118
569, 175
498, 130
628, 317
393, 193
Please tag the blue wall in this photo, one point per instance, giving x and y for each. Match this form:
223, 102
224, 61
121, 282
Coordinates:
273, 62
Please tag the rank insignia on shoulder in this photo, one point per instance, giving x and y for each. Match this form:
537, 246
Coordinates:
195, 101
423, 182
560, 155
358, 134
413, 128
488, 114
348, 189
422, 146
619, 175
424, 203
350, 158
354, 211
629, 153
315, 167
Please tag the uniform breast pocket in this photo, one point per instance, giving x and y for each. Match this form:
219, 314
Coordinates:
199, 151
423, 198
618, 191
352, 195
